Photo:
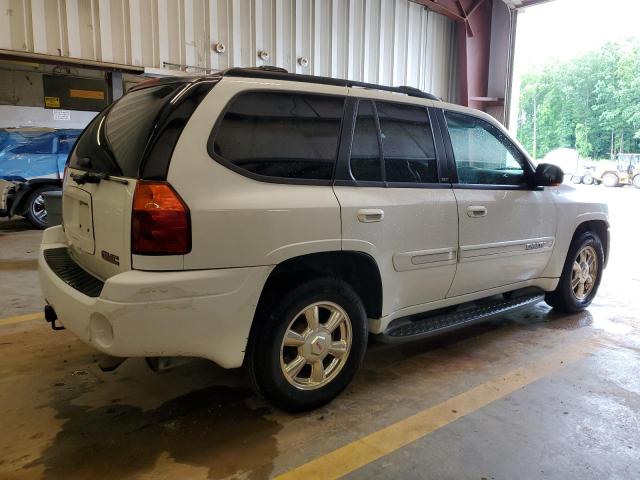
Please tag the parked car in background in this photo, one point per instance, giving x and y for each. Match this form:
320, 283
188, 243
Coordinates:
568, 159
624, 170
32, 162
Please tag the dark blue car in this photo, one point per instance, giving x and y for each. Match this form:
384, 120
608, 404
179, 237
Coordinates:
32, 162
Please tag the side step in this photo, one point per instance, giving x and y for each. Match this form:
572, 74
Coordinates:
414, 328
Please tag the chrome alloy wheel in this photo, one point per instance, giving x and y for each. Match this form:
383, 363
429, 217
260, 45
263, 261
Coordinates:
38, 209
585, 272
316, 345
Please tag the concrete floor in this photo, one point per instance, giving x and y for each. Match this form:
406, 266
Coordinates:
531, 395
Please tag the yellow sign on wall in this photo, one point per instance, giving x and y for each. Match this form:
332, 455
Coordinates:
52, 102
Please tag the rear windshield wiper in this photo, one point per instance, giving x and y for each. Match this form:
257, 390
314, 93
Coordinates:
91, 177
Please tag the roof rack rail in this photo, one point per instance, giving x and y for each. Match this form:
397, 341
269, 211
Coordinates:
267, 71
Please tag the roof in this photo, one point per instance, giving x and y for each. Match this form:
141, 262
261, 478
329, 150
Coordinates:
276, 73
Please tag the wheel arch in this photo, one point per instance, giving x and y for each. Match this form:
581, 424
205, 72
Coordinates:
358, 269
600, 228
19, 205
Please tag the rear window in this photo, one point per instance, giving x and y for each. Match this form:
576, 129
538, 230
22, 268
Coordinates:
283, 135
115, 141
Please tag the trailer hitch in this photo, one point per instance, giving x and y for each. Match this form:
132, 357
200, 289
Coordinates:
50, 316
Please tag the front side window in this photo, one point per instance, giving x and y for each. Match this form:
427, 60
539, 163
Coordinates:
283, 135
483, 154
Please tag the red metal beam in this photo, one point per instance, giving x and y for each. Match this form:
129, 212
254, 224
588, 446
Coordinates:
473, 43
448, 8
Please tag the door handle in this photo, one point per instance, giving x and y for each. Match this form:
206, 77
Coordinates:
477, 211
369, 215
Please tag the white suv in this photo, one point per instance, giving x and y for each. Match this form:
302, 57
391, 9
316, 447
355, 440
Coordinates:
273, 220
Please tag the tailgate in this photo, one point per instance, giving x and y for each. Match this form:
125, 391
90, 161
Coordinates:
132, 138
97, 224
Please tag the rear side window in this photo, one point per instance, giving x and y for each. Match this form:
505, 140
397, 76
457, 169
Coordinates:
115, 141
366, 163
407, 143
397, 148
283, 135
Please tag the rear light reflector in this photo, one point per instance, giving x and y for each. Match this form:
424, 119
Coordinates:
161, 224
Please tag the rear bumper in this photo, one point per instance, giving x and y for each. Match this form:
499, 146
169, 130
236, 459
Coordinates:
203, 313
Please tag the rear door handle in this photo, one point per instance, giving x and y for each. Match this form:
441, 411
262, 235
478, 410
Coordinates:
369, 215
477, 211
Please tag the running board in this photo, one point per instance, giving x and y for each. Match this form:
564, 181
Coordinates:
414, 328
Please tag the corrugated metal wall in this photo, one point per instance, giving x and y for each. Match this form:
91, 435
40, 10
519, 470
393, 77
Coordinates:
392, 42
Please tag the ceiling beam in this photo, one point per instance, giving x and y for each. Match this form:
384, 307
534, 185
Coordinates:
448, 8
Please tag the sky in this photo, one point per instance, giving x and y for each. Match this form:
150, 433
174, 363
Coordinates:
564, 29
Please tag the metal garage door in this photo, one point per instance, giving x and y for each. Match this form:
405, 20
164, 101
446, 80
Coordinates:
393, 42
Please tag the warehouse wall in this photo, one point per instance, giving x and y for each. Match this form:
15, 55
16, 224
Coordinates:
392, 42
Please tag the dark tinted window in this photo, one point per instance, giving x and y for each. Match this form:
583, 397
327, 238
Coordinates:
366, 162
484, 155
285, 135
407, 143
115, 140
35, 147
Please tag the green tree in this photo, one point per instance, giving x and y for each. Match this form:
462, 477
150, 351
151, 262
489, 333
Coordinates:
583, 146
591, 103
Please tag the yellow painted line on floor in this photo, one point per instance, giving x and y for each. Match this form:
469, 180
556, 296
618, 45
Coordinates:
376, 445
21, 318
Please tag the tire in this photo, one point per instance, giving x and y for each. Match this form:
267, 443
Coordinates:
36, 212
576, 180
269, 357
610, 179
568, 298
587, 179
636, 181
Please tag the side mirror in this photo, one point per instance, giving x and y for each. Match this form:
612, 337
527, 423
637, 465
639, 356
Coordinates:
548, 175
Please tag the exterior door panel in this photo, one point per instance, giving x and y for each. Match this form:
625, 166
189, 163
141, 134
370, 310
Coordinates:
414, 244
511, 243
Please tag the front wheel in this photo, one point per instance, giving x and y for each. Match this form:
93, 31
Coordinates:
581, 275
576, 179
610, 180
309, 345
36, 211
636, 181
587, 179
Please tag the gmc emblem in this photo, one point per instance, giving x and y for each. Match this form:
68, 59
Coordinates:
111, 258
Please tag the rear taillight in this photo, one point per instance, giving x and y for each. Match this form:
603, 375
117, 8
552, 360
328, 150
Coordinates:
160, 224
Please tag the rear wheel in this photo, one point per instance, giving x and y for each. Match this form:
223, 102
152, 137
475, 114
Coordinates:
636, 181
610, 180
581, 275
309, 345
36, 212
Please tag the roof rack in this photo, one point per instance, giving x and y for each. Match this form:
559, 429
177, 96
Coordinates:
267, 71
